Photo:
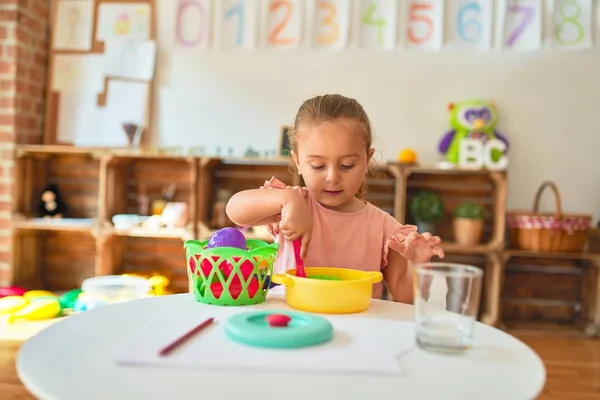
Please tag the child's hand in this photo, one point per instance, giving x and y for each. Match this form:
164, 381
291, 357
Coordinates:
296, 222
420, 248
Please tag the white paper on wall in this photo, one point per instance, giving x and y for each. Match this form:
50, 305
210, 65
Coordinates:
378, 20
425, 25
130, 59
284, 23
522, 29
239, 24
471, 24
572, 24
123, 21
74, 27
193, 24
331, 24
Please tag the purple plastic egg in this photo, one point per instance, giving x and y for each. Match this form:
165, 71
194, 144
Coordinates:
227, 237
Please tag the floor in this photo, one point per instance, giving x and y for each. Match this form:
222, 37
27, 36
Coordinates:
572, 363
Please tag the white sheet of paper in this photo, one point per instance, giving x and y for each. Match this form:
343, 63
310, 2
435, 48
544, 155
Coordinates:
239, 24
425, 26
378, 21
331, 24
572, 25
74, 25
351, 350
123, 21
193, 24
126, 102
130, 59
522, 28
471, 24
285, 19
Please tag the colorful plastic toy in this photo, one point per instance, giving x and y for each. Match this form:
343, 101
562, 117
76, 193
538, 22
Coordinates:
227, 237
11, 291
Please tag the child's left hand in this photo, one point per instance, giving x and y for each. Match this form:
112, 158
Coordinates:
420, 248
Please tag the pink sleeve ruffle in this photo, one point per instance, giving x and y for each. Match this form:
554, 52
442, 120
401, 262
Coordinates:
395, 241
275, 183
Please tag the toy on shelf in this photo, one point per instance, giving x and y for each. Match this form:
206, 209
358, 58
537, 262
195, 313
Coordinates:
223, 271
51, 204
33, 305
407, 156
468, 223
473, 119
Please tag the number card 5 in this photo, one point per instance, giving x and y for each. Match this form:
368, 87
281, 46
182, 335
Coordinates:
424, 29
284, 23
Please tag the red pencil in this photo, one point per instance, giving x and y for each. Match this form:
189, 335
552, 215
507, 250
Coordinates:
165, 351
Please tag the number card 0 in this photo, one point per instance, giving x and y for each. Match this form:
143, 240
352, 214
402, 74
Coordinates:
377, 25
425, 27
284, 23
331, 24
522, 30
471, 23
572, 24
192, 25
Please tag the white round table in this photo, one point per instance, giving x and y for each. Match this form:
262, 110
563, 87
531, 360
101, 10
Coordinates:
73, 359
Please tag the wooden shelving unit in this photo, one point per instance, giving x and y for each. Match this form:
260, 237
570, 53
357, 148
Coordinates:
99, 183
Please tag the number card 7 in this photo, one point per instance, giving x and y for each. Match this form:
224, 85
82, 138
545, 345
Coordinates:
522, 30
425, 29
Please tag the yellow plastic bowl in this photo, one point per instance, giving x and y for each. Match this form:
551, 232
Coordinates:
351, 294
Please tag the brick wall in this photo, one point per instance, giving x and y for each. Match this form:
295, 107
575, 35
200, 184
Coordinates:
23, 65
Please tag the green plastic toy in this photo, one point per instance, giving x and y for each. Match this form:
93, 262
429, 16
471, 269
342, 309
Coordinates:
229, 275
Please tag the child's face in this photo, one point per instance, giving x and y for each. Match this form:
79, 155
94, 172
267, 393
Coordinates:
333, 160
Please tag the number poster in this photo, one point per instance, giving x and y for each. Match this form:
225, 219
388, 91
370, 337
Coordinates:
387, 25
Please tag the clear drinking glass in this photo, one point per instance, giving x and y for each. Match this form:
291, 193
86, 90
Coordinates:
446, 299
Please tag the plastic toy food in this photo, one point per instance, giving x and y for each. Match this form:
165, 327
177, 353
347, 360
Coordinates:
40, 309
11, 291
227, 237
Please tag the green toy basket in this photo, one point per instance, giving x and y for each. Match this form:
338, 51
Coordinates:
229, 276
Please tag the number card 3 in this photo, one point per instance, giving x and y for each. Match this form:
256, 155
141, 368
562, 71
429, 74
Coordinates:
331, 24
522, 30
425, 26
284, 23
239, 24
192, 26
572, 24
471, 23
377, 25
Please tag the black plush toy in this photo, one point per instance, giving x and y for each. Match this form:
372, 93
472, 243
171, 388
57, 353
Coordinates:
51, 203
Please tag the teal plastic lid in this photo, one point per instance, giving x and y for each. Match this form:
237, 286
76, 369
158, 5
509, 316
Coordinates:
255, 328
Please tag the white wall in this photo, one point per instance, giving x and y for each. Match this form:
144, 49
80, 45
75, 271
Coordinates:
548, 103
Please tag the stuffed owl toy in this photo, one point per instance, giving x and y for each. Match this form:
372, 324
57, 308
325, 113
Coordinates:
474, 119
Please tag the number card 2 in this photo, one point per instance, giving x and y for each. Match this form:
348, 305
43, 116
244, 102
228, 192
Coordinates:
331, 24
471, 23
572, 24
192, 24
239, 24
377, 24
284, 23
522, 29
425, 26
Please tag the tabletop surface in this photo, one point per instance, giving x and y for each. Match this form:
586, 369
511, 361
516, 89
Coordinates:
73, 359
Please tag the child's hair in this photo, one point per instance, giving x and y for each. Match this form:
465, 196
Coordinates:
327, 108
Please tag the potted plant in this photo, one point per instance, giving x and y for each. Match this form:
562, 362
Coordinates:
468, 223
427, 210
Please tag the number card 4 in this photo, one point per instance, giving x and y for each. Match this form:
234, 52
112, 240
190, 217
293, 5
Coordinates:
425, 26
284, 23
192, 26
238, 26
522, 30
377, 26
471, 23
331, 24
572, 23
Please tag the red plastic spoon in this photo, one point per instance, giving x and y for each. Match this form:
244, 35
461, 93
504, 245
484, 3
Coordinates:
299, 263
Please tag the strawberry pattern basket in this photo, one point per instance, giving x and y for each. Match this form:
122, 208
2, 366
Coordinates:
551, 232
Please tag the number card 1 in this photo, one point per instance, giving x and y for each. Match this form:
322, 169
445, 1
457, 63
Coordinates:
377, 25
331, 24
572, 23
522, 30
284, 23
192, 26
425, 27
471, 23
238, 26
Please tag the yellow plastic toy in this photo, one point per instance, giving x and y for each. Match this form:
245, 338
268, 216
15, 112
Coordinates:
29, 295
39, 309
407, 156
10, 304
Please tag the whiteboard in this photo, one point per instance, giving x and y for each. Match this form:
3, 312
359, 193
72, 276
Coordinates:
211, 97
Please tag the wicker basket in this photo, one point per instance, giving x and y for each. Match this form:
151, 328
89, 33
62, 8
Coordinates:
551, 232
